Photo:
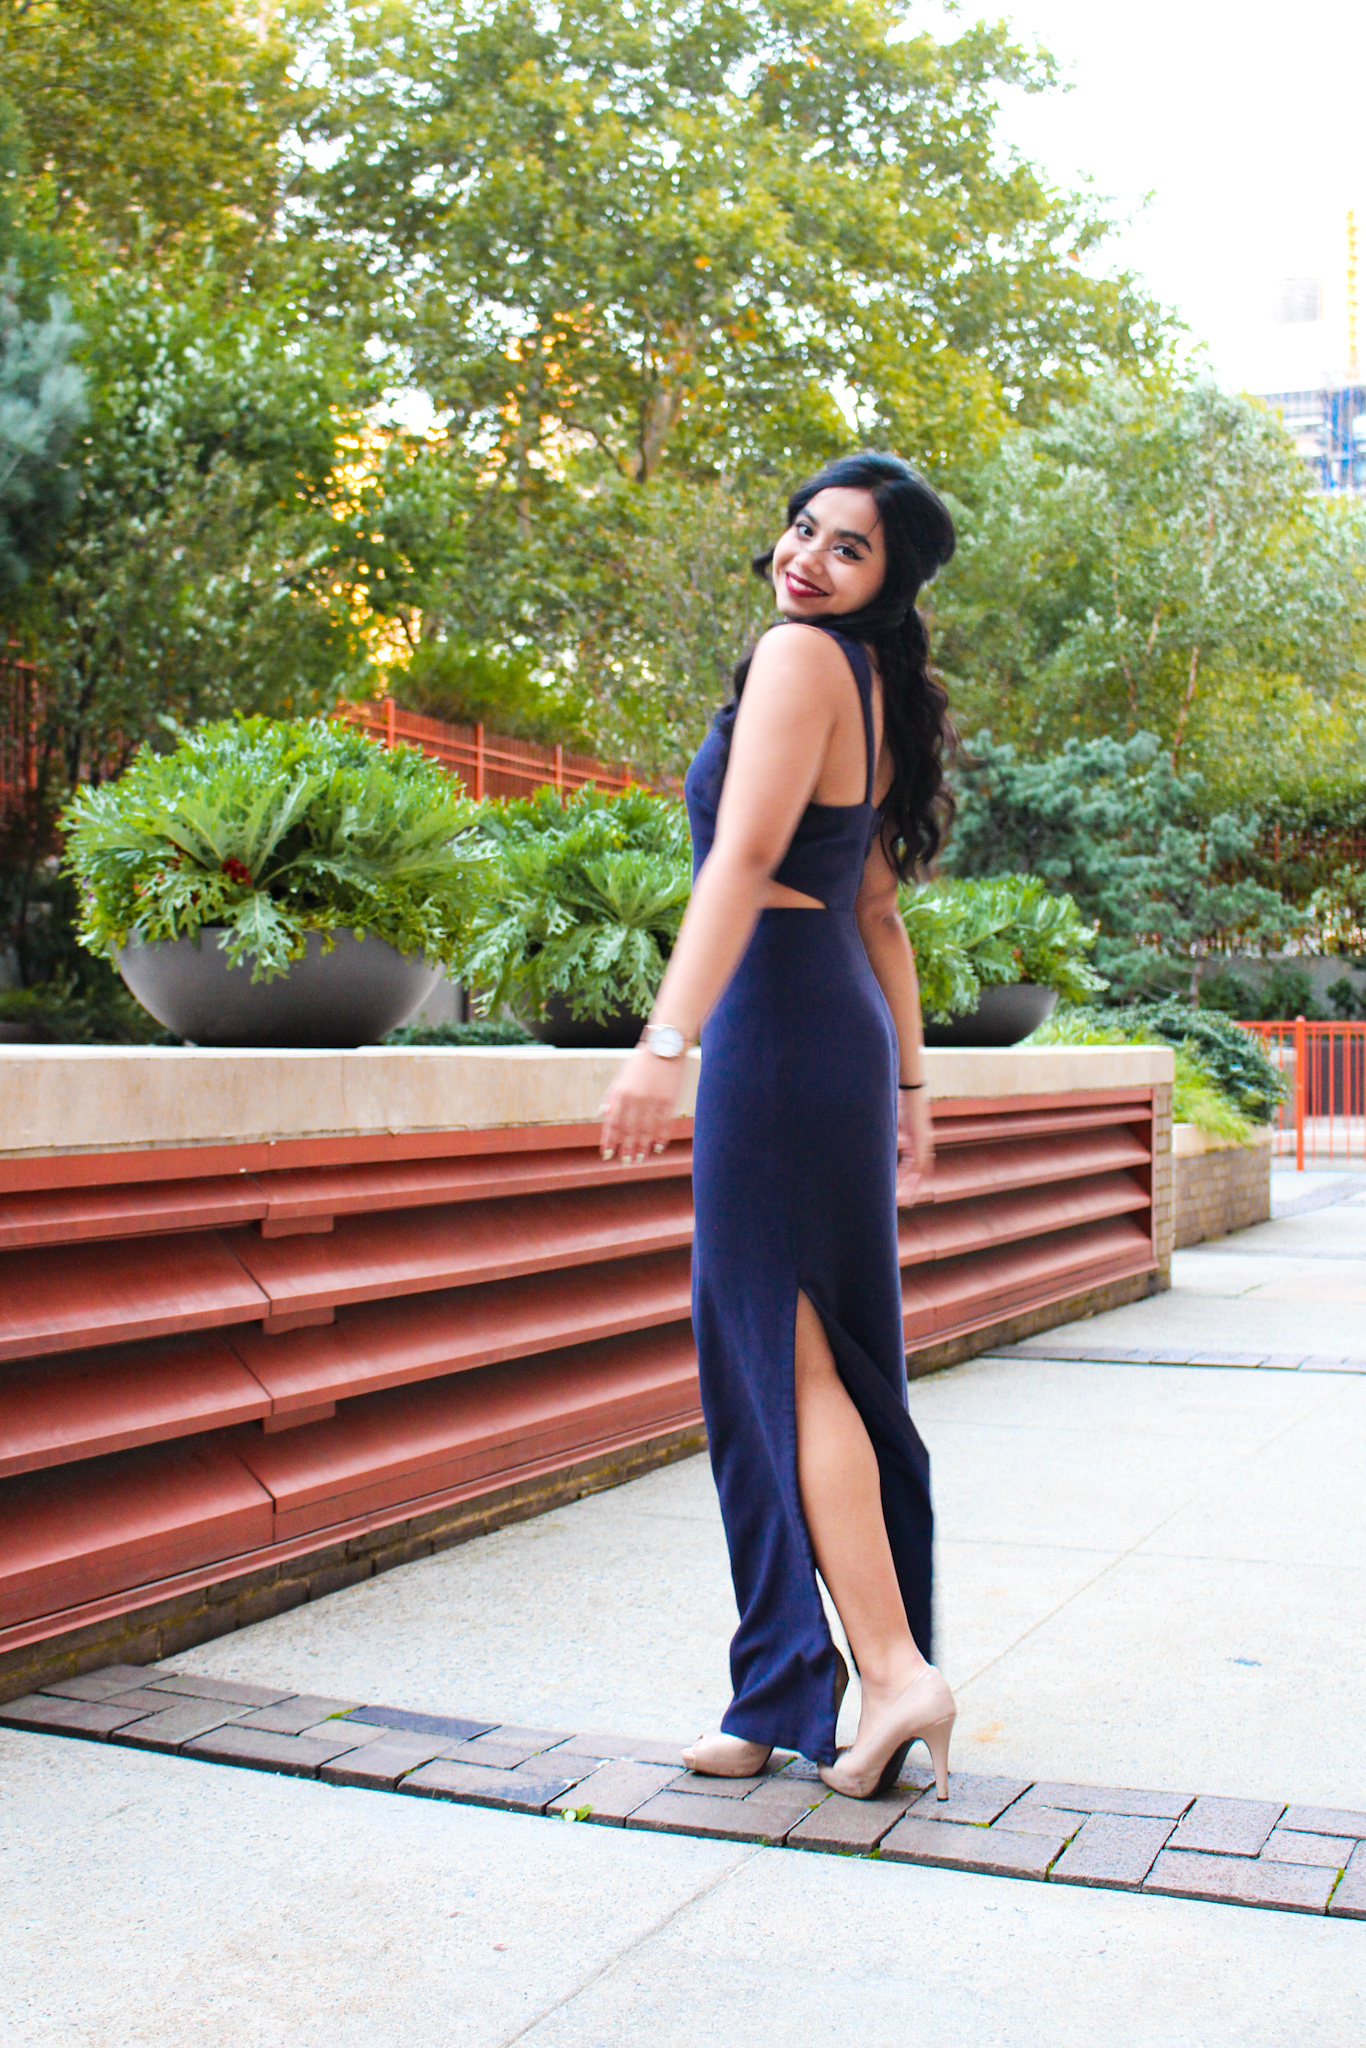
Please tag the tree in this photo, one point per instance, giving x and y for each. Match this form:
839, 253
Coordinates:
669, 234
1113, 825
42, 406
149, 124
217, 546
1150, 551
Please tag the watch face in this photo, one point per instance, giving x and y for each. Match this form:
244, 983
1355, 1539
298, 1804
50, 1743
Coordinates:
665, 1040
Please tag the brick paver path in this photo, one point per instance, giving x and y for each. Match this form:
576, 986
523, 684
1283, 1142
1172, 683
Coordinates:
1247, 1852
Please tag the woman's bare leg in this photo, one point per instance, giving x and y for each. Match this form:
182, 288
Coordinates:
837, 1475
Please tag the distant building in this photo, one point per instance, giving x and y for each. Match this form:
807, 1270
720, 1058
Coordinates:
1325, 413
1328, 426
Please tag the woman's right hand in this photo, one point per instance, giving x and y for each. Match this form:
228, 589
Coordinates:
914, 1144
640, 1107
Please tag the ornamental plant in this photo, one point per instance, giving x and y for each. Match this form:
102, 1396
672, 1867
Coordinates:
586, 900
263, 830
1225, 1081
971, 935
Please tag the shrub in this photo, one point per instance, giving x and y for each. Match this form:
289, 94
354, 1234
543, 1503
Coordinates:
267, 830
971, 935
478, 1031
587, 898
1217, 1054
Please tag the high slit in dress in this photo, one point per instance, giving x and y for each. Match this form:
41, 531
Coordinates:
794, 1184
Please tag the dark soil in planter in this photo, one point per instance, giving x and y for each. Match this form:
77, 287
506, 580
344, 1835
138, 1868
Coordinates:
1006, 1014
620, 1029
349, 996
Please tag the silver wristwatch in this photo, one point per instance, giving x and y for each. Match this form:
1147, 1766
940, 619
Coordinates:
665, 1041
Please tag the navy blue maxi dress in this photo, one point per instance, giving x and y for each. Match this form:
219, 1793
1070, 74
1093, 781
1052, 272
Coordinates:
794, 1184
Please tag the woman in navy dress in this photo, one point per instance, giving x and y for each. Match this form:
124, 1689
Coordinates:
815, 791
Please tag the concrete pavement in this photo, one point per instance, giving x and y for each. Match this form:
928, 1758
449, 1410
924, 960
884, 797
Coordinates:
1148, 1575
147, 1899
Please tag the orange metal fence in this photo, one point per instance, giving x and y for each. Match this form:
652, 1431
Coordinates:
1323, 1116
489, 764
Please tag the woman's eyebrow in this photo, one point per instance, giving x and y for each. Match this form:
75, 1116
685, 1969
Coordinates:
848, 533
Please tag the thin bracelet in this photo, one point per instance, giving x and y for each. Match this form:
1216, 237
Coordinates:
910, 1086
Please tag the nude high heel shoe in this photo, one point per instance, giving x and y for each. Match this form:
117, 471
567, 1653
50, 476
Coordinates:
924, 1713
729, 1756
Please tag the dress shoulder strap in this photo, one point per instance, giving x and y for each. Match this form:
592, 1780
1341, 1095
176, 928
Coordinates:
856, 654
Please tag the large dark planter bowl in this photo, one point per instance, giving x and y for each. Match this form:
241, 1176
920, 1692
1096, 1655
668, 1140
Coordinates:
1006, 1014
620, 1029
349, 996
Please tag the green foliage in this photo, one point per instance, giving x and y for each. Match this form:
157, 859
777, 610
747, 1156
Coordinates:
1151, 549
1113, 823
1338, 911
150, 126
660, 232
268, 831
478, 1031
1348, 1001
210, 560
584, 904
971, 935
472, 683
63, 1012
1234, 1060
42, 406
630, 255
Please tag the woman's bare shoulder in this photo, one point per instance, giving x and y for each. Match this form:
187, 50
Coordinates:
800, 655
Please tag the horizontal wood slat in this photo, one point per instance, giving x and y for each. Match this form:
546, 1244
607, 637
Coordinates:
69, 1215
964, 1172
72, 1297
992, 1220
53, 1411
420, 1183
390, 1343
381, 1256
975, 1128
396, 1446
941, 1300
129, 1519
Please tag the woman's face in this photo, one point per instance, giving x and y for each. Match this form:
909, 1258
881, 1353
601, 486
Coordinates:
832, 558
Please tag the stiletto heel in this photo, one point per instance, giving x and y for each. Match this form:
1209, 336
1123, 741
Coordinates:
925, 1713
936, 1740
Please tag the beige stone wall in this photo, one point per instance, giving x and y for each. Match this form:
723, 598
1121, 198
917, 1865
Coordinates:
1219, 1187
63, 1098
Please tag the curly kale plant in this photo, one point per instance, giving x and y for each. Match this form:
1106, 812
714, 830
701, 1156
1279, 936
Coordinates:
265, 830
585, 905
971, 935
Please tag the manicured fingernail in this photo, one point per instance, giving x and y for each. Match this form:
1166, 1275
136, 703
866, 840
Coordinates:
607, 1152
659, 1148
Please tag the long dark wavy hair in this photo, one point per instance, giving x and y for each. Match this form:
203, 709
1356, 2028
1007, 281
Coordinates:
919, 538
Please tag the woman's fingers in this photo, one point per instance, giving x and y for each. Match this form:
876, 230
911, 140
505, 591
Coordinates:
633, 1125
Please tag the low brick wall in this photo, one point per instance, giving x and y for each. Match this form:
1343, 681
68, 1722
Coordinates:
1219, 1186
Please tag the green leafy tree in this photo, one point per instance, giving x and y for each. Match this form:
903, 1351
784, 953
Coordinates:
149, 126
1113, 824
664, 232
1149, 551
647, 264
42, 407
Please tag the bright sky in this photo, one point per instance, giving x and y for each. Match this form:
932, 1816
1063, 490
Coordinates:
1247, 124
